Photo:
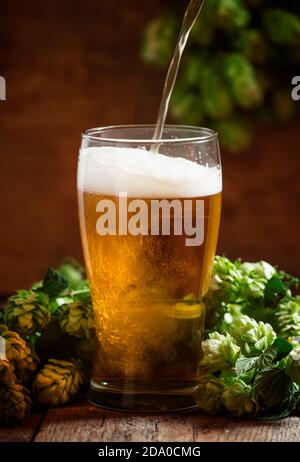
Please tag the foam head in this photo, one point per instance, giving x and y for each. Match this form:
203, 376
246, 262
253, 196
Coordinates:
140, 173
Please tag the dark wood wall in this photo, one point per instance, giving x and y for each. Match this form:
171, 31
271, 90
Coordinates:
71, 65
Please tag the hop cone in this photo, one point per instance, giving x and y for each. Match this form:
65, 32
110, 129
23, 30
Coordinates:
281, 26
253, 337
27, 312
57, 382
237, 398
208, 394
288, 317
14, 402
7, 375
77, 319
242, 81
220, 352
160, 37
26, 366
15, 345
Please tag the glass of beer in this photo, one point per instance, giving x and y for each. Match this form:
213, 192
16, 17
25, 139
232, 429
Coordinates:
149, 218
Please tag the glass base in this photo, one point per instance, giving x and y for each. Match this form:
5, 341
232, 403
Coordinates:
131, 398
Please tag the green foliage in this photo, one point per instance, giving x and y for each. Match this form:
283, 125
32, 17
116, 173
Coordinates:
52, 319
259, 369
235, 65
251, 354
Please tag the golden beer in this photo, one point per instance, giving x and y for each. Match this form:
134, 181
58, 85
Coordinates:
146, 289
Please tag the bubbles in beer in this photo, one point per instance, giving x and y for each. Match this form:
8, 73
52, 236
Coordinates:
147, 288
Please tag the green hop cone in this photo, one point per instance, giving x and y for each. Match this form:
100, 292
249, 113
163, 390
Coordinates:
27, 365
27, 312
281, 26
15, 402
57, 382
253, 337
77, 319
215, 98
287, 317
220, 352
238, 282
242, 81
293, 365
237, 398
209, 393
73, 272
7, 375
251, 43
259, 270
159, 40
231, 14
14, 345
235, 134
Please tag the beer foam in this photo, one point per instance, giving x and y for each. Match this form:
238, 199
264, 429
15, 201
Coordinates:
141, 173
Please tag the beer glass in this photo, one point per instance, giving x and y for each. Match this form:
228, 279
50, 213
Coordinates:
149, 217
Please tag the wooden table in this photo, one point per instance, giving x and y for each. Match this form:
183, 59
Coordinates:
88, 423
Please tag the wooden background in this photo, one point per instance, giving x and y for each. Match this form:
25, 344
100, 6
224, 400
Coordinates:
72, 65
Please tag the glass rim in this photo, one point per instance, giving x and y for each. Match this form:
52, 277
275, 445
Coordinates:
207, 134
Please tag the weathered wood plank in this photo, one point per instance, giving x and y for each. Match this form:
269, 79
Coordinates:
87, 423
225, 429
21, 432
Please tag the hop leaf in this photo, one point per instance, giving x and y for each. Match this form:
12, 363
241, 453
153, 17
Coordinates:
293, 365
237, 399
220, 352
253, 337
27, 312
14, 402
77, 319
209, 393
7, 375
57, 382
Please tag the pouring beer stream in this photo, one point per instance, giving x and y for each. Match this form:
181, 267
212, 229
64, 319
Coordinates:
189, 20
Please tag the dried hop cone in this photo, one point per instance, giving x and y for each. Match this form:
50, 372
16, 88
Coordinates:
14, 402
7, 375
27, 312
57, 382
26, 366
14, 345
77, 319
